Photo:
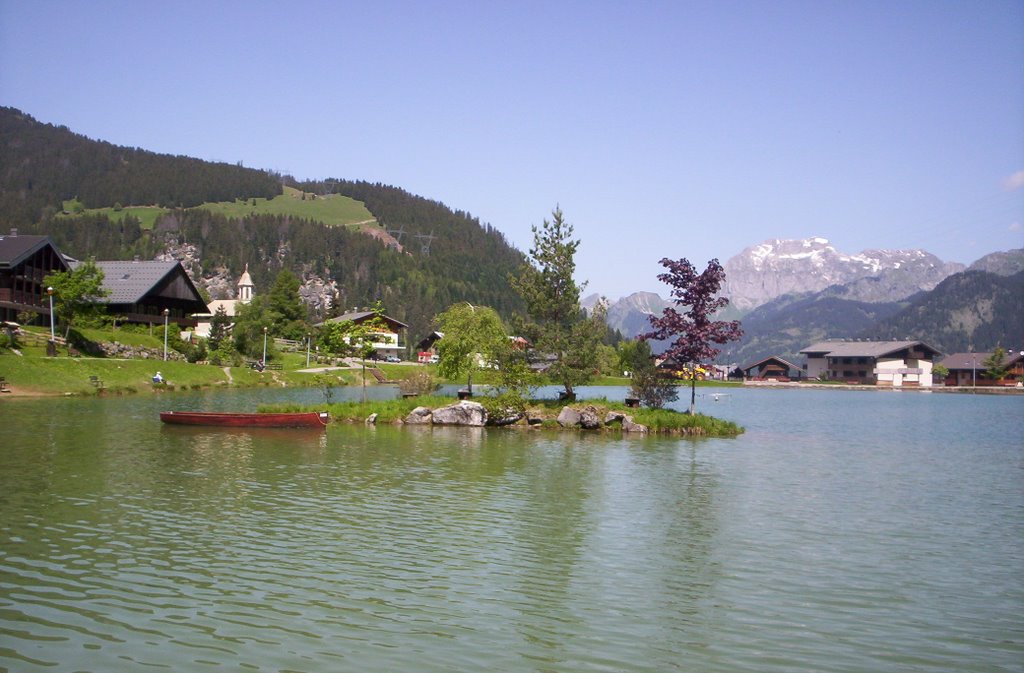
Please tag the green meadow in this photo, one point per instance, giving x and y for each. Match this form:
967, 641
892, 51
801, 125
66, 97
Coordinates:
333, 209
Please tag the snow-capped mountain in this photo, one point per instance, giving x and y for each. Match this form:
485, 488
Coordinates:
776, 267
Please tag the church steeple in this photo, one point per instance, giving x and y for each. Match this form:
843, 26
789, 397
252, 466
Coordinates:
246, 289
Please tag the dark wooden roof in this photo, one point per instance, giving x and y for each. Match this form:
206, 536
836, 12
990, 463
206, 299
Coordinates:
771, 358
429, 340
16, 248
158, 281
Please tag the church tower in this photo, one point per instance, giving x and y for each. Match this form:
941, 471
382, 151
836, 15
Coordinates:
245, 287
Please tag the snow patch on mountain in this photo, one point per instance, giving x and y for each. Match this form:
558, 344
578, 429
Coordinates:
781, 266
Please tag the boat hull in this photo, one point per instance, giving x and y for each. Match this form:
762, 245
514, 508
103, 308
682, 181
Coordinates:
312, 419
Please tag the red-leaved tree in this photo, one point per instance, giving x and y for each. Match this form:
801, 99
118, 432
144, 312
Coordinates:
688, 326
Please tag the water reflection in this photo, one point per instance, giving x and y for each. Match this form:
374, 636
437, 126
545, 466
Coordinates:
800, 546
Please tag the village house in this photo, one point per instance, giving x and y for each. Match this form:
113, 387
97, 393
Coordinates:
142, 291
25, 261
882, 363
386, 342
245, 293
426, 348
968, 369
773, 368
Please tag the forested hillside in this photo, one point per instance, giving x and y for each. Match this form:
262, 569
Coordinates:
43, 165
789, 323
972, 309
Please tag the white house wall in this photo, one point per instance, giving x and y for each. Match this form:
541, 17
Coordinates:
817, 368
897, 372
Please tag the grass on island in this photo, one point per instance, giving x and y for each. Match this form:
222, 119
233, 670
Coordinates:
661, 421
32, 372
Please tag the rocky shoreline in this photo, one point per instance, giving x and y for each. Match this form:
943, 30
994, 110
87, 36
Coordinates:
473, 414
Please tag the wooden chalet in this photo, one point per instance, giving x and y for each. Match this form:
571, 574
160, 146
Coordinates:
773, 368
426, 348
881, 363
141, 290
24, 262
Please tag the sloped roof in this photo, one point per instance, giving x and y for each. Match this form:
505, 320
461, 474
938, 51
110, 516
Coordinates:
859, 349
776, 358
360, 316
128, 282
14, 249
245, 279
975, 360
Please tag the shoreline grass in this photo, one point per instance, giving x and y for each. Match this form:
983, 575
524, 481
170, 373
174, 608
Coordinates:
658, 421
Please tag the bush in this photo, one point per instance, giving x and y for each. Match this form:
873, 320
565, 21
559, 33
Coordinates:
504, 405
225, 355
652, 389
417, 382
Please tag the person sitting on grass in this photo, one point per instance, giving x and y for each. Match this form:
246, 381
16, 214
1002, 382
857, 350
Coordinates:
158, 378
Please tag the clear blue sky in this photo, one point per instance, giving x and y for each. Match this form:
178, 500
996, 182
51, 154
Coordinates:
680, 129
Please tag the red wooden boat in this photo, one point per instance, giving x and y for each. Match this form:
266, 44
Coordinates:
311, 419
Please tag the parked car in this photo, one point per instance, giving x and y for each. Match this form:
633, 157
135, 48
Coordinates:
434, 359
393, 358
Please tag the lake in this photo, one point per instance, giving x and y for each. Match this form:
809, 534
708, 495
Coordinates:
844, 531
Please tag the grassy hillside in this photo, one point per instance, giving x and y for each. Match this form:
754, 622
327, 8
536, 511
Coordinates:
126, 202
332, 209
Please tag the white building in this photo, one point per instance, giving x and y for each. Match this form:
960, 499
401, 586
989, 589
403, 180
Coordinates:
882, 363
246, 291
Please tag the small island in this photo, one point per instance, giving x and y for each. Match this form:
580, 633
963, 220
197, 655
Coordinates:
598, 415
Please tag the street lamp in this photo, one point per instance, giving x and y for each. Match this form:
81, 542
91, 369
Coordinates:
308, 336
49, 291
167, 312
264, 360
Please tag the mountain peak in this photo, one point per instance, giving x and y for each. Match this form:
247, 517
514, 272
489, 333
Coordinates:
781, 266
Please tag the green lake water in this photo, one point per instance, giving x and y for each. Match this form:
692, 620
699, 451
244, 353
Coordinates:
844, 531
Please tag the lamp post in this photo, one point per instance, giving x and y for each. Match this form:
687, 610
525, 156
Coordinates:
49, 291
308, 336
264, 360
167, 313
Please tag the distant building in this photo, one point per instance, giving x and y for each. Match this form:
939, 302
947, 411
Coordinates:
245, 293
773, 367
24, 262
968, 369
426, 348
386, 342
140, 291
881, 363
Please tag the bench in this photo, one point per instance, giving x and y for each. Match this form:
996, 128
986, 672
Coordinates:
4, 388
96, 381
255, 364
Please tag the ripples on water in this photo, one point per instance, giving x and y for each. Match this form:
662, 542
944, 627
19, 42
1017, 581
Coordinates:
842, 532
